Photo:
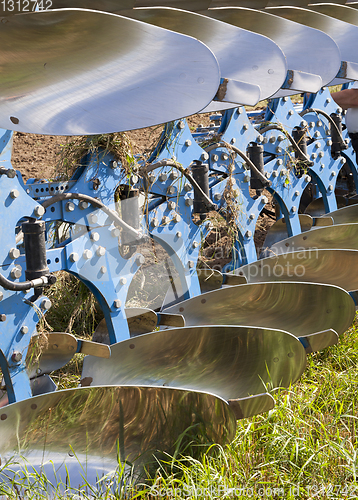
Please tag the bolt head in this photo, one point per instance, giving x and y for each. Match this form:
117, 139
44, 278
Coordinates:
16, 356
176, 218
14, 193
163, 177
307, 178
248, 234
117, 304
24, 330
187, 187
181, 124
189, 202
39, 211
330, 187
70, 206
293, 209
178, 234
103, 270
94, 236
195, 244
92, 219
83, 205
215, 157
173, 175
171, 190
2, 317
154, 222
217, 196
113, 164
123, 281
100, 251
14, 253
171, 205
139, 260
190, 264
187, 143
74, 257
16, 273
46, 304
115, 232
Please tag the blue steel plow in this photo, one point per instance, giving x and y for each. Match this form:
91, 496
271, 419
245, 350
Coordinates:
208, 351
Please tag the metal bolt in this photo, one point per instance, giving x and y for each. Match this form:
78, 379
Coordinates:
103, 270
317, 145
173, 175
307, 178
233, 140
280, 138
339, 110
313, 156
285, 99
283, 172
46, 304
16, 356
14, 253
187, 187
171, 190
123, 281
259, 139
139, 260
248, 234
303, 124
204, 156
293, 209
311, 124
328, 100
163, 177
151, 178
176, 218
87, 254
252, 216
178, 234
272, 139
224, 156
165, 220
181, 124
317, 134
14, 193
187, 143
171, 205
329, 142
2, 317
117, 304
217, 196
290, 113
330, 187
74, 257
15, 273
239, 111
70, 206
154, 222
275, 173
24, 330
321, 154
333, 174
279, 161
319, 123
278, 150
92, 218
264, 200
190, 264
245, 126
195, 244
113, 164
39, 211
189, 202
115, 232
214, 157
94, 236
297, 193
100, 251
83, 205
343, 160
246, 178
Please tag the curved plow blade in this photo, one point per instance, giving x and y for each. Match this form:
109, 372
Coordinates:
63, 427
344, 215
71, 72
317, 209
332, 267
341, 236
232, 362
285, 306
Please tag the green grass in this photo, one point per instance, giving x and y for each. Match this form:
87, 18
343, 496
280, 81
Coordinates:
306, 447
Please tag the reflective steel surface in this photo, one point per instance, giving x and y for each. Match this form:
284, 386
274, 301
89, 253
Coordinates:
46, 356
345, 215
71, 72
286, 306
252, 405
343, 236
320, 340
344, 34
242, 55
315, 265
316, 53
230, 361
342, 12
316, 207
135, 422
278, 230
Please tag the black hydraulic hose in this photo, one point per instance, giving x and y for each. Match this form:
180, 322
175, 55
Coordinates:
249, 163
326, 115
171, 163
290, 138
23, 286
98, 204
